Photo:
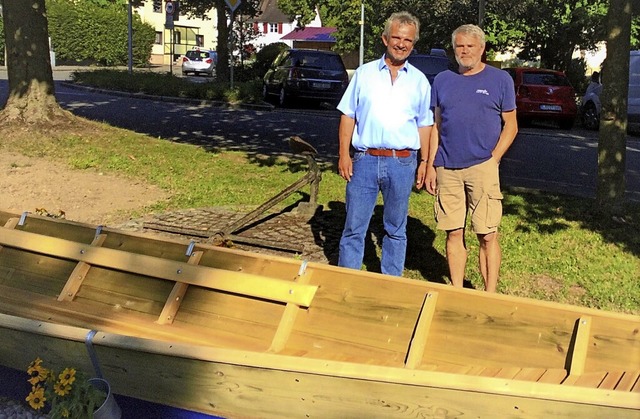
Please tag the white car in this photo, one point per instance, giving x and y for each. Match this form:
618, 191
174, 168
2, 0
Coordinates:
199, 61
590, 104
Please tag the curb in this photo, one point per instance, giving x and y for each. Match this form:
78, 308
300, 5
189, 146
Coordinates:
137, 95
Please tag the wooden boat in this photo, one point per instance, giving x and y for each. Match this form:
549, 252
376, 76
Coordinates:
242, 335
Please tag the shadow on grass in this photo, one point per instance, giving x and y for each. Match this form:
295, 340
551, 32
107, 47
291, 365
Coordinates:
421, 254
549, 213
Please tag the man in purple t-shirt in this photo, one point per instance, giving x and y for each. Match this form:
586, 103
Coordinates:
475, 124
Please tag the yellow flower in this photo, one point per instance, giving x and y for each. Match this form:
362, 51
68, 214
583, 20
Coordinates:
36, 398
37, 373
62, 389
65, 395
68, 376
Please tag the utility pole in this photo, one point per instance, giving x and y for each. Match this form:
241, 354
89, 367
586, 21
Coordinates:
130, 36
361, 61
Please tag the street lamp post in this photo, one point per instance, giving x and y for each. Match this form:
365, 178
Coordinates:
361, 32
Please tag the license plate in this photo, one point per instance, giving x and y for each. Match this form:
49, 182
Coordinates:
556, 108
321, 85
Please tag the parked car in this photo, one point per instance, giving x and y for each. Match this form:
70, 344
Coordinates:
432, 63
590, 103
590, 106
311, 75
543, 94
199, 60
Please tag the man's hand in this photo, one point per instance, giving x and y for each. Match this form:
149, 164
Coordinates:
430, 180
421, 174
345, 167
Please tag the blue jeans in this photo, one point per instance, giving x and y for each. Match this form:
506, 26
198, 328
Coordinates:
394, 177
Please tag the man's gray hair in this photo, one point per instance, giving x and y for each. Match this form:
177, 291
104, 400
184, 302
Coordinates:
469, 30
403, 18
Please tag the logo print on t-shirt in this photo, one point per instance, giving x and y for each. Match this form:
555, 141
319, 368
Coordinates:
483, 92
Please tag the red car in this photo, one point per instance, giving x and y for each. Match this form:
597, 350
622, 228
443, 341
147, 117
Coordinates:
544, 95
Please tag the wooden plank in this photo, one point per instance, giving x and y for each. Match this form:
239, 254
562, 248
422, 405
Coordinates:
10, 224
529, 374
580, 346
177, 293
590, 379
489, 372
81, 270
611, 380
628, 380
235, 282
419, 340
553, 376
508, 372
291, 311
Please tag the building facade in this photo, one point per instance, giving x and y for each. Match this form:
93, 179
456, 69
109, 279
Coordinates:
187, 33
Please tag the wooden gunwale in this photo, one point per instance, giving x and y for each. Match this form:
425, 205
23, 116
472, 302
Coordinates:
427, 379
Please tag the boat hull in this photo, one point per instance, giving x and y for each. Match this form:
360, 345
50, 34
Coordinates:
237, 334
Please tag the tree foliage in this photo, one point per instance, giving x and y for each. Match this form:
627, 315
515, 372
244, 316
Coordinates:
544, 30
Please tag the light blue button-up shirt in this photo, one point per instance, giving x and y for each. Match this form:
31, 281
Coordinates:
387, 114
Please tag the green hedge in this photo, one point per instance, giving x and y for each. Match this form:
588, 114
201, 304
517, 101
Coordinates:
85, 32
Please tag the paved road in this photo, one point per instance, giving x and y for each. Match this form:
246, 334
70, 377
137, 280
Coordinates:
541, 158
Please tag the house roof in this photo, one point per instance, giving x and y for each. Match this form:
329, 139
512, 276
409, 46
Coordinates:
311, 34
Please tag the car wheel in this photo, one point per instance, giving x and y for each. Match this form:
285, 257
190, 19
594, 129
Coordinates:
566, 124
590, 117
283, 98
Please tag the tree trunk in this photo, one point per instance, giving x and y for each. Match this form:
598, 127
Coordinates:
31, 90
613, 121
222, 68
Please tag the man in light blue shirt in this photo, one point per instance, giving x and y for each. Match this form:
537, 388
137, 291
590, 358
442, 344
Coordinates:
386, 121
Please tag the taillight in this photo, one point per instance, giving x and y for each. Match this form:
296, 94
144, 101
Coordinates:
208, 61
185, 59
524, 91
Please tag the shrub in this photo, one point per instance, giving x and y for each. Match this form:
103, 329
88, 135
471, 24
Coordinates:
85, 32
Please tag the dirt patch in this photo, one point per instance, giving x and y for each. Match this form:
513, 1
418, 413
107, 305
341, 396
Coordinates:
40, 185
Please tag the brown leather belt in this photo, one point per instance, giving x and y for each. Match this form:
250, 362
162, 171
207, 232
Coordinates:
384, 152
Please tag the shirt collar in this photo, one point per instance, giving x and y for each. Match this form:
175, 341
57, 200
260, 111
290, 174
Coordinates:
382, 65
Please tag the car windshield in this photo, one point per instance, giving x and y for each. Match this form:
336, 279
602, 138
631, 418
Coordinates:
324, 61
545, 79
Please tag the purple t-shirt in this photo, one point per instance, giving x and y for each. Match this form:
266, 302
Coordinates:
470, 108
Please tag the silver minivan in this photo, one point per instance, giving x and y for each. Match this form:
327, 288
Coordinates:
590, 104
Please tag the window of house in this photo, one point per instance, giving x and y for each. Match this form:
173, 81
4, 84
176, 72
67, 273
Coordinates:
199, 40
158, 39
273, 27
157, 6
176, 37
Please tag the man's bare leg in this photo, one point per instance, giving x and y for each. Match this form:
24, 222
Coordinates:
490, 258
456, 256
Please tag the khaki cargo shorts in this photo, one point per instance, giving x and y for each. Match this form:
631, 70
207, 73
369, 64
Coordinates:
474, 190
